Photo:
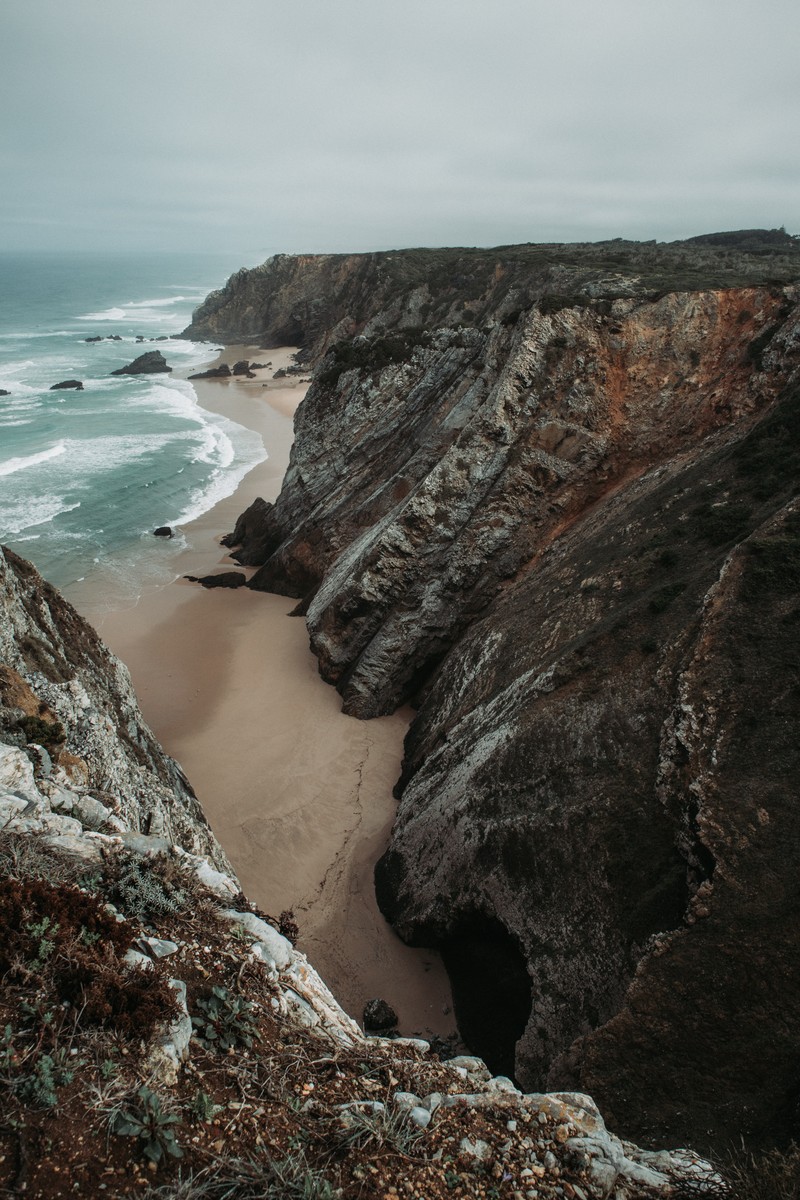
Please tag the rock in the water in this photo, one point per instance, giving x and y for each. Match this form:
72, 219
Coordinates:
75, 384
379, 1016
224, 579
163, 531
96, 338
150, 363
3, 392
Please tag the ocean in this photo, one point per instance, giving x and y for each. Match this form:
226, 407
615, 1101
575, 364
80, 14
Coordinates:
86, 476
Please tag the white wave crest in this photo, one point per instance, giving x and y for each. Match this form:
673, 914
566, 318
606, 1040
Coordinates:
107, 314
223, 483
29, 516
31, 460
163, 303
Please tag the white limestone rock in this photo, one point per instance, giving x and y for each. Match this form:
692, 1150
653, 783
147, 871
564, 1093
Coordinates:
277, 948
171, 1048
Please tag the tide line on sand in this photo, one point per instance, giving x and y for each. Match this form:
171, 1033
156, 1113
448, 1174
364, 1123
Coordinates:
299, 795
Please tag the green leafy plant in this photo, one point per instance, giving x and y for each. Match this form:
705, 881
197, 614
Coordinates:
45, 945
8, 1051
202, 1108
224, 1021
145, 888
38, 1085
393, 1129
108, 1068
147, 1121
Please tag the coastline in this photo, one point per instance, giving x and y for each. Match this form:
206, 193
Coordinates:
299, 795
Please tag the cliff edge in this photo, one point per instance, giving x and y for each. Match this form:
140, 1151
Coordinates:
555, 506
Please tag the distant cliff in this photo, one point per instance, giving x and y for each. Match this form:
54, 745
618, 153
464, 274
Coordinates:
315, 300
555, 504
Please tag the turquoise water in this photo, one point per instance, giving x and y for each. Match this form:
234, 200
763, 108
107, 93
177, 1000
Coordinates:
86, 476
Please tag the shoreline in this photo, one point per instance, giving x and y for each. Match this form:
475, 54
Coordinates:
299, 795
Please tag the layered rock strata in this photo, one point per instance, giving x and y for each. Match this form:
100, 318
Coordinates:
570, 535
113, 755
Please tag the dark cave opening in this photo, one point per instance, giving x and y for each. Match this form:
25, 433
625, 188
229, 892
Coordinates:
491, 988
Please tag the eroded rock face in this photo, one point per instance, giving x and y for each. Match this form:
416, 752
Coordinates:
571, 535
414, 490
89, 691
316, 300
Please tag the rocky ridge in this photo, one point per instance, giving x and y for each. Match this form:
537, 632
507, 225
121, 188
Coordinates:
567, 530
218, 1044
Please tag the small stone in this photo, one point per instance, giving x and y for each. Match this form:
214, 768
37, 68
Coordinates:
420, 1117
379, 1016
475, 1148
511, 1126
158, 947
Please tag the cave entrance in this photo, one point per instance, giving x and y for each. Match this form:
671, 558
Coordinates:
491, 989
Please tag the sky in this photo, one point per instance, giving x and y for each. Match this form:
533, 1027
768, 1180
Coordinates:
256, 126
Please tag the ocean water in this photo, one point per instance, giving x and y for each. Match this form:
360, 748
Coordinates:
85, 477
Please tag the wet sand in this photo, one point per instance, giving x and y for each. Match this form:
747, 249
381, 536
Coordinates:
299, 795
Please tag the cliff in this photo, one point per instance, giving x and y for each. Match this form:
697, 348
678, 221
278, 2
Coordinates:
317, 300
161, 1037
565, 526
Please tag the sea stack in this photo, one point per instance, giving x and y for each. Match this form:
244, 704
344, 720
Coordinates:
151, 363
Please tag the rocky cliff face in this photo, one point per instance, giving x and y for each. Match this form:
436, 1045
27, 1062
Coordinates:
316, 300
52, 660
569, 532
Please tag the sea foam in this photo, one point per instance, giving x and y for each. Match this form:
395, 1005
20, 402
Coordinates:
25, 462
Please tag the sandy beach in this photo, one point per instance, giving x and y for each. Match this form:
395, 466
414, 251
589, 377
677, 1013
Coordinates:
299, 795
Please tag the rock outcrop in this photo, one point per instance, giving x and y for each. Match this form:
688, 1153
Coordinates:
89, 692
568, 530
150, 363
67, 385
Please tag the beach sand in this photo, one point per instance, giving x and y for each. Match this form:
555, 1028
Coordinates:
299, 795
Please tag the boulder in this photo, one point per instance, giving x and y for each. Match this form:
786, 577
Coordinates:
151, 363
96, 338
3, 392
75, 384
163, 531
379, 1016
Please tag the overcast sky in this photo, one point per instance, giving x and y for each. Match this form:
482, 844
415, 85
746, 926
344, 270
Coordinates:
252, 126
